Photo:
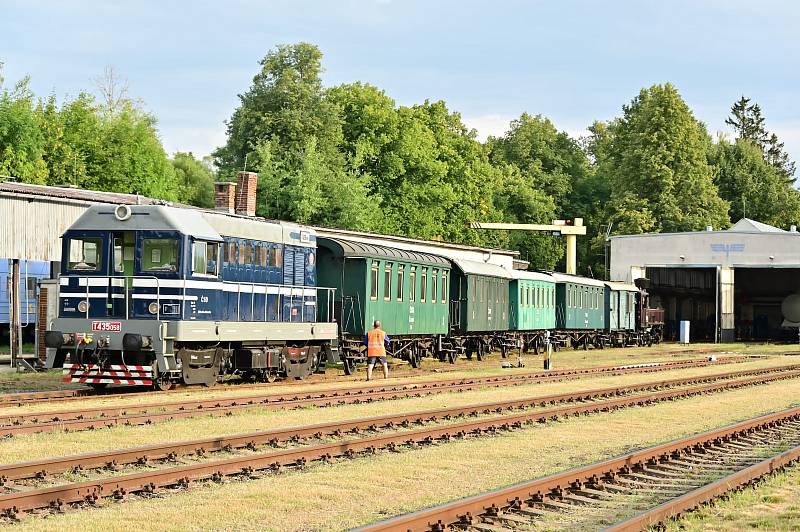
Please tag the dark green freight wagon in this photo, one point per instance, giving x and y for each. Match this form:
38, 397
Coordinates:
407, 291
479, 312
621, 313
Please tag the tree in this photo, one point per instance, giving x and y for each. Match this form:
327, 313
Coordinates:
113, 90
658, 153
284, 105
749, 124
195, 178
551, 158
22, 143
754, 188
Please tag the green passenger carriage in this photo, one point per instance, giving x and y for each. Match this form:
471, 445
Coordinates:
580, 309
479, 312
532, 307
620, 305
407, 291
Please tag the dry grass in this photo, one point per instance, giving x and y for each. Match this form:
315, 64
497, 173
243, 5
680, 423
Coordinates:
33, 446
345, 494
771, 505
563, 360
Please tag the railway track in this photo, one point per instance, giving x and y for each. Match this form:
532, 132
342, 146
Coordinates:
18, 500
666, 479
100, 417
22, 399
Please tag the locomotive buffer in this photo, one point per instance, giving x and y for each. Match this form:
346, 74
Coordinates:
570, 229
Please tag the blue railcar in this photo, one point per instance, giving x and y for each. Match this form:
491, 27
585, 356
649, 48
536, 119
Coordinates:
31, 272
187, 296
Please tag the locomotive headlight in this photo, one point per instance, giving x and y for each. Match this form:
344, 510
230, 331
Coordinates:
83, 306
153, 307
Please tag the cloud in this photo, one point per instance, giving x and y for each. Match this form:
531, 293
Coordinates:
488, 125
200, 141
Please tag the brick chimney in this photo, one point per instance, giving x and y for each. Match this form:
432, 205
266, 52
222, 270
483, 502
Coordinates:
224, 196
246, 193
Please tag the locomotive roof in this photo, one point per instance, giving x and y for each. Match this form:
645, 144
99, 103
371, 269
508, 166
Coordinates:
622, 287
482, 268
350, 248
576, 279
532, 276
146, 218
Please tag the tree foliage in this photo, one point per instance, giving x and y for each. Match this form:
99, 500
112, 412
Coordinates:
658, 153
195, 179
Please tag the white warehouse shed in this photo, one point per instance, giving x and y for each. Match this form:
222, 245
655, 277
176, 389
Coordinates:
730, 284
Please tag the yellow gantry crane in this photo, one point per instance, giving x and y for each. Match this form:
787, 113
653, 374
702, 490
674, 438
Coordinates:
569, 228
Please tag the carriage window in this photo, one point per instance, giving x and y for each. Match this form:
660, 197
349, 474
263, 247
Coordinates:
204, 258
412, 284
400, 274
85, 254
276, 258
387, 281
434, 281
160, 255
423, 289
473, 289
497, 286
373, 288
444, 287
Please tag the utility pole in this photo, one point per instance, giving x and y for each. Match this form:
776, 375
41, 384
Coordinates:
14, 309
570, 229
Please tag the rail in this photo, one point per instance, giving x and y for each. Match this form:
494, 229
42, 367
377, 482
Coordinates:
287, 297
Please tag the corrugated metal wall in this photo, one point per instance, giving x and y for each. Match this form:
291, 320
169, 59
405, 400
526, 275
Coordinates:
31, 228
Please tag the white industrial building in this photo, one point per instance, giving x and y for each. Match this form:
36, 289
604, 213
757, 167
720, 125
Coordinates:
729, 284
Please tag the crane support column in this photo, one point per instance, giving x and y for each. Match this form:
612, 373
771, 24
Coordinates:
572, 254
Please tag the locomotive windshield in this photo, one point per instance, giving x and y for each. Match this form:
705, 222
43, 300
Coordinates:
160, 255
85, 254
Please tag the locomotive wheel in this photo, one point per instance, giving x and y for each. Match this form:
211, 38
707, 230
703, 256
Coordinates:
98, 385
163, 384
349, 366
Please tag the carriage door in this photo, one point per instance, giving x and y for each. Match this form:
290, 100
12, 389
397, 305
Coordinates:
120, 282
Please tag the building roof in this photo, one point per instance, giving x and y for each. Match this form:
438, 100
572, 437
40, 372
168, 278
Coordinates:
78, 194
746, 225
351, 248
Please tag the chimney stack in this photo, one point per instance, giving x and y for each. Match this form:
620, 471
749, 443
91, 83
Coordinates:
224, 196
246, 193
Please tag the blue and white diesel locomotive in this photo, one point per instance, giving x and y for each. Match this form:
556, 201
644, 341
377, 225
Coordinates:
153, 294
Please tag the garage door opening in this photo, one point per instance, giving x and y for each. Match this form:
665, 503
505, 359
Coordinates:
758, 294
686, 294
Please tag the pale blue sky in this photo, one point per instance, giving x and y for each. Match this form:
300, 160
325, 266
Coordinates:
573, 61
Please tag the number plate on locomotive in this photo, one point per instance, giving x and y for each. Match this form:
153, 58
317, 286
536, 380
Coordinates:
107, 326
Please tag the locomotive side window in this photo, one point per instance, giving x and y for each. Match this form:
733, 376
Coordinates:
276, 258
373, 289
160, 255
85, 254
264, 255
204, 258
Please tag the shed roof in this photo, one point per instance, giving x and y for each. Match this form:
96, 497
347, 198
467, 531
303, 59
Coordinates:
577, 279
79, 194
482, 268
351, 248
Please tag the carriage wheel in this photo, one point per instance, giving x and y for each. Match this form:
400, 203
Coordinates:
452, 356
349, 366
